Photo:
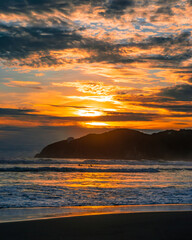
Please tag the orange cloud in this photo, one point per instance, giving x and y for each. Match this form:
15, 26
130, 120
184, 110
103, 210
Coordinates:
22, 83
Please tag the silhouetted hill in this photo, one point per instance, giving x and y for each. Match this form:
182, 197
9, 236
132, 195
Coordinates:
125, 144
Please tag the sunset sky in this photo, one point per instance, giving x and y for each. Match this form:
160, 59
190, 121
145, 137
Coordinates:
72, 67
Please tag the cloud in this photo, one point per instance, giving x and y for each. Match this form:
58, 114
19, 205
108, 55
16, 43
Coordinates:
173, 108
39, 74
174, 99
116, 8
112, 7
128, 116
16, 112
118, 117
178, 92
108, 116
28, 6
46, 42
20, 42
93, 88
26, 84
46, 47
165, 10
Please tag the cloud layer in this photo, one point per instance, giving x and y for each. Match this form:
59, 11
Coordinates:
122, 63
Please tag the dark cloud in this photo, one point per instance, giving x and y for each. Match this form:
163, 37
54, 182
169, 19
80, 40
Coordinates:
175, 58
37, 38
111, 7
108, 8
185, 72
128, 116
172, 107
165, 10
175, 99
171, 60
27, 6
170, 46
165, 2
42, 6
111, 117
19, 42
26, 114
15, 112
116, 8
178, 93
22, 42
181, 39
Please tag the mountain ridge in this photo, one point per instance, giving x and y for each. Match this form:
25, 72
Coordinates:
124, 144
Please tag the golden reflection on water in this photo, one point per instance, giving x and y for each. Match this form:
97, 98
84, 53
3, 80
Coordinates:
105, 180
86, 179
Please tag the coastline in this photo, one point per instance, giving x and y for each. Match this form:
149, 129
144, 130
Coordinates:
142, 225
39, 213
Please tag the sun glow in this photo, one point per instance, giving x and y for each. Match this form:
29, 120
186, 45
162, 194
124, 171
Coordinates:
97, 124
89, 113
95, 98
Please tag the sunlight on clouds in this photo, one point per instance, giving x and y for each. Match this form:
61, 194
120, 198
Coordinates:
133, 73
95, 98
22, 84
97, 124
68, 54
95, 88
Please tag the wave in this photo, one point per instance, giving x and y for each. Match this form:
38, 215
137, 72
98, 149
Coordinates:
66, 169
44, 161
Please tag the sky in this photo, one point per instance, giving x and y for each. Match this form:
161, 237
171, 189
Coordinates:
68, 68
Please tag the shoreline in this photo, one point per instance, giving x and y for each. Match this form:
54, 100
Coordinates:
8, 215
134, 226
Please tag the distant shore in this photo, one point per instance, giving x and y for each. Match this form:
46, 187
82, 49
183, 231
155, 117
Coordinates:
149, 226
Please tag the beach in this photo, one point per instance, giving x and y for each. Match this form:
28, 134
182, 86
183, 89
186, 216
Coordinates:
150, 225
61, 199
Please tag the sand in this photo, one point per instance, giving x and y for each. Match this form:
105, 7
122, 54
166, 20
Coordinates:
140, 226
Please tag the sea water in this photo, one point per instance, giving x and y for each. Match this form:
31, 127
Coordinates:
39, 183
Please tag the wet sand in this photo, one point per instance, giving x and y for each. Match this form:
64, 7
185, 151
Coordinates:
149, 226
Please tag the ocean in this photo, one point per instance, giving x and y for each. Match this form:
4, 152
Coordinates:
32, 183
